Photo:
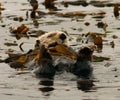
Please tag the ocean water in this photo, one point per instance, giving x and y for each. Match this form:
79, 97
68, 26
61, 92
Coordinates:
15, 86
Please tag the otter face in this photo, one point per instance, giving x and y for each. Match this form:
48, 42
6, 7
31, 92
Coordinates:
53, 38
57, 44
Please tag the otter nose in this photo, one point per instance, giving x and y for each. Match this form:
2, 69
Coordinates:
62, 37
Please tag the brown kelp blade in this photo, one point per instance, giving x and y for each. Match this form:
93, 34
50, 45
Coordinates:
61, 50
22, 59
37, 57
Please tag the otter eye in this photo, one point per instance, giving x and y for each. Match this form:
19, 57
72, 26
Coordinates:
37, 41
62, 37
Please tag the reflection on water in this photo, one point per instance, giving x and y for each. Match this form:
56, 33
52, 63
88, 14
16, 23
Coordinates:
47, 86
46, 82
85, 85
49, 4
46, 89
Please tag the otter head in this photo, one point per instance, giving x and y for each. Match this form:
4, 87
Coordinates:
53, 38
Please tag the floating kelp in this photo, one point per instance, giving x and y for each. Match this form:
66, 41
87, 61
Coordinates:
22, 72
20, 46
103, 25
98, 3
12, 53
80, 14
11, 44
72, 14
87, 23
101, 3
61, 50
85, 84
114, 36
12, 57
17, 65
98, 16
35, 23
75, 3
34, 4
20, 31
116, 10
20, 19
112, 44
99, 13
89, 37
98, 41
1, 7
49, 4
34, 13
36, 33
17, 60
99, 58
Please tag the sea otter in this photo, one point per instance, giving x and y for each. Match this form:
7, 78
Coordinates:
65, 58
